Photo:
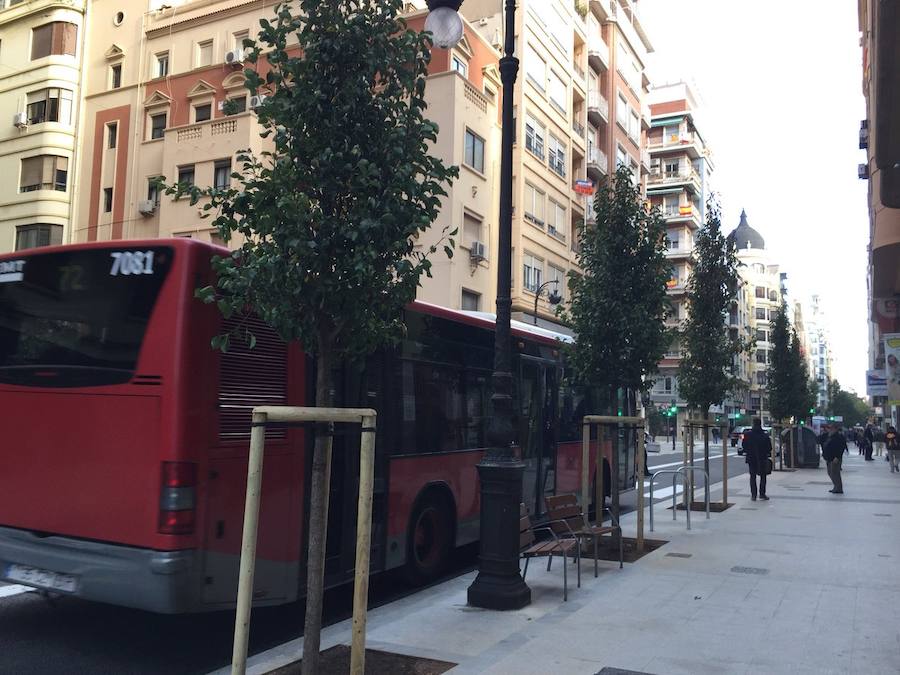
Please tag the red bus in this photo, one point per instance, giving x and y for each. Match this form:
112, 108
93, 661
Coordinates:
125, 436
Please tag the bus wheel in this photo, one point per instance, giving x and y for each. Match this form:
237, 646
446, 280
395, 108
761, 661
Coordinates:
429, 541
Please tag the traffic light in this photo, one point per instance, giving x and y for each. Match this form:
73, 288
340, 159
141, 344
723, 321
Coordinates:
619, 413
831, 418
812, 411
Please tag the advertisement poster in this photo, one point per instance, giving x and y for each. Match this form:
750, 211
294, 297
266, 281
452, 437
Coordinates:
892, 366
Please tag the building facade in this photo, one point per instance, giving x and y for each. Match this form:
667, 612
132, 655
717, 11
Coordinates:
41, 44
580, 110
819, 356
165, 96
763, 285
678, 185
879, 25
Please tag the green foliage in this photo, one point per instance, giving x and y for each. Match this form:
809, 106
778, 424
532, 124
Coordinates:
618, 307
327, 219
851, 407
706, 375
804, 394
781, 372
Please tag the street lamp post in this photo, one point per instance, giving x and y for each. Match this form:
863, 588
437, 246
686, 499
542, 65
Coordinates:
499, 585
554, 297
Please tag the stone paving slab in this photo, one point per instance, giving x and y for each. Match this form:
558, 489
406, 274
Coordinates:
822, 596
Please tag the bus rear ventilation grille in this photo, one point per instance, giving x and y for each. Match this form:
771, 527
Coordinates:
147, 380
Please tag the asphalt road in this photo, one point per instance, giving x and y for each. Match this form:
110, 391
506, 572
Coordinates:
40, 634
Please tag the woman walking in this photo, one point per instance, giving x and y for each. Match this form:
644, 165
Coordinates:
892, 445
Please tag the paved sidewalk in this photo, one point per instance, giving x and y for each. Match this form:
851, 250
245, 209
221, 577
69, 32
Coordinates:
807, 583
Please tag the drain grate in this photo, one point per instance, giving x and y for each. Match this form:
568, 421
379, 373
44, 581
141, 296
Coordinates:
619, 671
792, 487
748, 508
739, 569
679, 555
819, 482
883, 555
884, 515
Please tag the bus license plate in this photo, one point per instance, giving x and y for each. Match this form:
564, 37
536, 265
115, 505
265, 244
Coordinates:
32, 576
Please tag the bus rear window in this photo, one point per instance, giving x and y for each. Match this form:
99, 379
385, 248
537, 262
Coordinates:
77, 318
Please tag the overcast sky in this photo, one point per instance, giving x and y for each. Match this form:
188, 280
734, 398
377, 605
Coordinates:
780, 83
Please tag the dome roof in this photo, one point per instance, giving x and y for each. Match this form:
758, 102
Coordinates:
745, 237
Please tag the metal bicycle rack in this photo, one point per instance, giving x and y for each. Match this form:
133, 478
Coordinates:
675, 473
683, 470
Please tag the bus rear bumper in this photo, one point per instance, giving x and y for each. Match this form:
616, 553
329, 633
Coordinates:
155, 581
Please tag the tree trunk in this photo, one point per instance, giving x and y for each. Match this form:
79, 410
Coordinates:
318, 517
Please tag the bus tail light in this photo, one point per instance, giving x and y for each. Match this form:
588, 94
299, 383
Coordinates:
177, 498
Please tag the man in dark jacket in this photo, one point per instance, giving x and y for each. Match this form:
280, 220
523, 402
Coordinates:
833, 454
757, 448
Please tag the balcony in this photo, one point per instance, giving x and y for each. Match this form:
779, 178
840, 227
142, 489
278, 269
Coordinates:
645, 115
645, 161
685, 176
598, 53
687, 213
590, 213
578, 128
598, 108
678, 252
689, 142
597, 164
580, 75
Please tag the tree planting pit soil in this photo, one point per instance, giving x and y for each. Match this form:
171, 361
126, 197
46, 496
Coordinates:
609, 549
714, 507
336, 661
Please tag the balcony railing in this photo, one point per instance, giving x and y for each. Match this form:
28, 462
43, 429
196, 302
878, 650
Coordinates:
672, 140
683, 175
578, 128
579, 71
598, 107
598, 53
597, 163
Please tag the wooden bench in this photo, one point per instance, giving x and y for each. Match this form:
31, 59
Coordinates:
567, 520
531, 548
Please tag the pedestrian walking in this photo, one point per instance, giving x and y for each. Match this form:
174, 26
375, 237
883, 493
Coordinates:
892, 445
869, 435
833, 454
757, 448
878, 442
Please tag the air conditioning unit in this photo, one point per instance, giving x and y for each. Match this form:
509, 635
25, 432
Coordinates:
863, 171
477, 251
235, 57
20, 120
256, 101
864, 135
147, 207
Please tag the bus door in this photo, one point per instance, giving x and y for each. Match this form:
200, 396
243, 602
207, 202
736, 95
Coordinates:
362, 389
537, 430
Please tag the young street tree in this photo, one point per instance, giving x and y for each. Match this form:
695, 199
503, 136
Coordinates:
706, 374
327, 219
782, 372
803, 397
619, 306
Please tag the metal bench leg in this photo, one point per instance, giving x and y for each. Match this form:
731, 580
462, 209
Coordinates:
549, 561
596, 545
621, 548
565, 579
525, 572
578, 563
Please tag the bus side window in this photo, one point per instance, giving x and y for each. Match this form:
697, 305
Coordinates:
432, 413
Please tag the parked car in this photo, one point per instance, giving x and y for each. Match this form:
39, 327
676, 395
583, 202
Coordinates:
743, 434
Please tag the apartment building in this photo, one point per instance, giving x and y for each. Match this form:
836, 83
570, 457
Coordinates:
580, 103
678, 185
764, 285
878, 136
819, 356
41, 48
165, 96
